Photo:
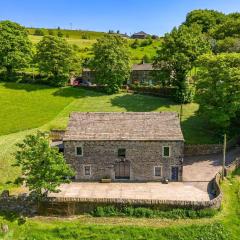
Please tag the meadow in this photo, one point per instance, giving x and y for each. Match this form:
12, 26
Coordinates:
85, 46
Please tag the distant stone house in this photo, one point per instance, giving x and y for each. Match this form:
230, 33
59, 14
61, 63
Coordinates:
125, 146
140, 35
140, 73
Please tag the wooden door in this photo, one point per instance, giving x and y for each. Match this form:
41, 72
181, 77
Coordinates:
175, 174
122, 170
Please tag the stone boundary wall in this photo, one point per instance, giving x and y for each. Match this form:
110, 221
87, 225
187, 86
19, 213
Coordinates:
206, 149
233, 166
202, 149
75, 206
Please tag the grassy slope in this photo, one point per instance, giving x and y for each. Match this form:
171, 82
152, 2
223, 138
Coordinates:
85, 46
223, 226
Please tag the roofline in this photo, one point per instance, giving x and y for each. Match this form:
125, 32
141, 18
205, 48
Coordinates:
123, 140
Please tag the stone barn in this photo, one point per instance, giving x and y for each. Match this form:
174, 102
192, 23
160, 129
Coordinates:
125, 146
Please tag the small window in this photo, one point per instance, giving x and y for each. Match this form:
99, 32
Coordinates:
121, 152
79, 151
157, 171
87, 170
166, 151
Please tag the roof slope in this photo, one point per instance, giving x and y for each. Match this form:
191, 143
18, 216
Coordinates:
142, 67
140, 33
124, 126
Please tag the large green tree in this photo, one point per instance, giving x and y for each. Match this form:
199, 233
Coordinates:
218, 88
43, 168
55, 57
111, 62
177, 55
207, 19
15, 47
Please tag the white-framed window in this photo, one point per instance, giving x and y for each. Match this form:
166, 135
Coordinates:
79, 151
166, 151
158, 171
87, 170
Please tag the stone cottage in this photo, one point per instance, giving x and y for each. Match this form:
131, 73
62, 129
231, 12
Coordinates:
140, 73
140, 35
125, 146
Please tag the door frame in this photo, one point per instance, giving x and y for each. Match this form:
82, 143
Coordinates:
122, 179
171, 172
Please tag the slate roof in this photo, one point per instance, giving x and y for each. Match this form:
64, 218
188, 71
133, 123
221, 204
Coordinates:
140, 34
142, 67
124, 126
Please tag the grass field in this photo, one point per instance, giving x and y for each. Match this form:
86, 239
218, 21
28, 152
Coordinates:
25, 108
223, 226
85, 46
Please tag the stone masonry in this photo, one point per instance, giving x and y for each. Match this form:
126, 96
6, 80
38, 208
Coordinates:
143, 156
143, 137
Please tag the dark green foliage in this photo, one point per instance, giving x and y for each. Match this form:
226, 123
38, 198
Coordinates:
15, 47
228, 45
177, 56
207, 19
110, 211
43, 168
39, 32
135, 44
218, 89
229, 28
111, 62
55, 57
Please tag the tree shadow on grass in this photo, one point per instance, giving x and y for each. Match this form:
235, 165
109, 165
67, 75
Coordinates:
196, 130
25, 86
141, 103
76, 92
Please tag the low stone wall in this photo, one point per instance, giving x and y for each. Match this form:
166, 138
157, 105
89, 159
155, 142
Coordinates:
21, 205
233, 166
204, 149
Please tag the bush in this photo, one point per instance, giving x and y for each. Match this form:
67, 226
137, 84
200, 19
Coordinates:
39, 32
154, 90
141, 212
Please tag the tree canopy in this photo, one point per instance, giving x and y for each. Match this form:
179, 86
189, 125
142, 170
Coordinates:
177, 55
207, 19
218, 88
111, 62
43, 168
15, 47
55, 57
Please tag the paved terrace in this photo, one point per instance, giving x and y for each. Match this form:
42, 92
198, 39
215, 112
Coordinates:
133, 191
197, 173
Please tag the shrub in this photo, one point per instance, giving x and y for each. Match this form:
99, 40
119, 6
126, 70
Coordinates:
141, 212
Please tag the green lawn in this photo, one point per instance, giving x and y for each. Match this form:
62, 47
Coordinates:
24, 108
223, 226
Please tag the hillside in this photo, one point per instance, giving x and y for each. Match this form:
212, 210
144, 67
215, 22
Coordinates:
83, 41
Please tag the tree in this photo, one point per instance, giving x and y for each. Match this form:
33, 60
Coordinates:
111, 62
177, 55
218, 88
55, 57
228, 45
229, 28
207, 19
15, 47
39, 32
43, 168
